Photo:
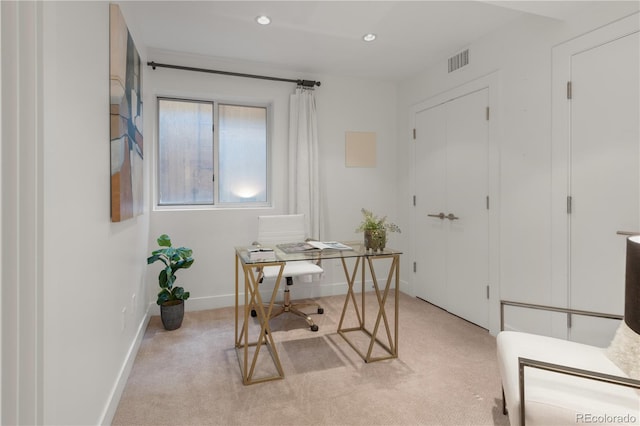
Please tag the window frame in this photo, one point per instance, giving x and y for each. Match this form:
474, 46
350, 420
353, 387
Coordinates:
216, 205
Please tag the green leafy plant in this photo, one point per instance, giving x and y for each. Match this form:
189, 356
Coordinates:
174, 259
372, 222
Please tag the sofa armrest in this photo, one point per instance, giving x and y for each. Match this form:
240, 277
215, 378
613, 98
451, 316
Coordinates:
504, 303
562, 369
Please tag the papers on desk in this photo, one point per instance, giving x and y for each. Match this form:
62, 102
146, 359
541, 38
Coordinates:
329, 245
296, 247
311, 246
262, 254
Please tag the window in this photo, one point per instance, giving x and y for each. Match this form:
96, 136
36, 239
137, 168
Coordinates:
211, 153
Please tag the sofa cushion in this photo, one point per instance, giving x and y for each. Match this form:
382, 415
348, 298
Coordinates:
624, 350
554, 398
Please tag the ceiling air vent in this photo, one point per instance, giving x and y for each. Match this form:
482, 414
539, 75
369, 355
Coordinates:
459, 60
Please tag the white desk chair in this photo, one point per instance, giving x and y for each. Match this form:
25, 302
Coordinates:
278, 229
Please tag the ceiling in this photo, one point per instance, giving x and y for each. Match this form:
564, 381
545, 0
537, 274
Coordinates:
325, 37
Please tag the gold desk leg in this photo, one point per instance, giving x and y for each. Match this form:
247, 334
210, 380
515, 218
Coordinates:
350, 294
391, 346
236, 305
251, 302
252, 297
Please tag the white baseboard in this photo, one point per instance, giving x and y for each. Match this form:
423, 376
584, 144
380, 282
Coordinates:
116, 393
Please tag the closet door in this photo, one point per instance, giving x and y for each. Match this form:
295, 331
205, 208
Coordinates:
431, 231
452, 179
604, 180
467, 189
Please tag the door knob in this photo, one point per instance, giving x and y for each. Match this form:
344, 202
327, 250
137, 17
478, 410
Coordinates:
450, 216
439, 215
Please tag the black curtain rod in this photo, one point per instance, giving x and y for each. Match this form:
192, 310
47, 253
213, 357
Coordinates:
303, 83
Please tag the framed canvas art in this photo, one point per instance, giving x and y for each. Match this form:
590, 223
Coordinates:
126, 120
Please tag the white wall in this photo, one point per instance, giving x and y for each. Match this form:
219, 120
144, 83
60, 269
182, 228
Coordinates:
521, 55
92, 267
343, 104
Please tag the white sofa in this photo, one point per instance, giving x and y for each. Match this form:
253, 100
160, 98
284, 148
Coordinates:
563, 382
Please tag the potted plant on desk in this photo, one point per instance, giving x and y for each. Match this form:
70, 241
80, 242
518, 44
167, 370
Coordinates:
171, 298
375, 230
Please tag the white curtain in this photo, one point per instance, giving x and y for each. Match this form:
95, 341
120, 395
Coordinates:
304, 190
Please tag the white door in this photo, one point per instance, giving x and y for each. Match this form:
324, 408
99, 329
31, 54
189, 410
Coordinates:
452, 261
604, 180
431, 232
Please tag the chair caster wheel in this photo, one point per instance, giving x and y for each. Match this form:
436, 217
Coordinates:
254, 313
314, 327
320, 310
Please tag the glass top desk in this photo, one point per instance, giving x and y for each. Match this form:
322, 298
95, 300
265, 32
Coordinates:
372, 344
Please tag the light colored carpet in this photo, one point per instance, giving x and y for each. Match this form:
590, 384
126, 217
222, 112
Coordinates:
446, 374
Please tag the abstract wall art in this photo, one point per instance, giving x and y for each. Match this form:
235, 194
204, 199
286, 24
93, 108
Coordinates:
126, 120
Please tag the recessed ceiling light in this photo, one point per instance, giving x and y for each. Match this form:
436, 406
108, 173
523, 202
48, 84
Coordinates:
263, 20
369, 37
